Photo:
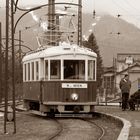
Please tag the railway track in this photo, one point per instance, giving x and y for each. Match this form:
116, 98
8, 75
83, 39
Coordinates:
93, 129
58, 132
62, 128
10, 103
102, 130
99, 133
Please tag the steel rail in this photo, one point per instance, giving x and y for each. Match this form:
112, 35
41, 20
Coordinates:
100, 127
60, 129
9, 104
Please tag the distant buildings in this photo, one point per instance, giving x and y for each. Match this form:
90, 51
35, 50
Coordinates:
125, 63
128, 63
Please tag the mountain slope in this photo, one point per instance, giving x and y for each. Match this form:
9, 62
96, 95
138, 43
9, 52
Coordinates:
116, 36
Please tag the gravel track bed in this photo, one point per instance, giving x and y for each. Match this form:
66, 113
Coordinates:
33, 127
29, 127
112, 129
76, 129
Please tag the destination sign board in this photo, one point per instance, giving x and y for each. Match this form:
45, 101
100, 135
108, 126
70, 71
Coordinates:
74, 85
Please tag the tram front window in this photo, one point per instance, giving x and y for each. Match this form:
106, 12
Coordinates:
74, 69
55, 69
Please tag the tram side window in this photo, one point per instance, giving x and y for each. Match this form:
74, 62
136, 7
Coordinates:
28, 71
46, 69
25, 73
37, 70
32, 65
55, 69
91, 70
74, 69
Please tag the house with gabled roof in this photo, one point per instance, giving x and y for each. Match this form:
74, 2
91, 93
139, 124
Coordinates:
126, 63
134, 76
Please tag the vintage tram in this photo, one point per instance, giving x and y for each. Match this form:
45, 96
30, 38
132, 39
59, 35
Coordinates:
59, 77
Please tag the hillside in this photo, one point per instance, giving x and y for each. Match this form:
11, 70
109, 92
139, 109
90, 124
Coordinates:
106, 32
111, 43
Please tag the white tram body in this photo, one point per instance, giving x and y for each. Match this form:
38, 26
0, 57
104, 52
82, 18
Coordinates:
60, 79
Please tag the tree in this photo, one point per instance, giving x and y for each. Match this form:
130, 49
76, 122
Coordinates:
92, 44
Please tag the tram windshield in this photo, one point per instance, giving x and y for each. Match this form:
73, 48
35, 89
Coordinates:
74, 69
55, 69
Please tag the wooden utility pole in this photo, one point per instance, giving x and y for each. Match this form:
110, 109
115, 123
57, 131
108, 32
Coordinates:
0, 63
20, 58
9, 34
13, 63
115, 71
6, 66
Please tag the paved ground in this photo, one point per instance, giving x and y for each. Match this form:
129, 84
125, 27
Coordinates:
132, 116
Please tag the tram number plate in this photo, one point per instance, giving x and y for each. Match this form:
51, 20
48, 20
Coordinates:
74, 85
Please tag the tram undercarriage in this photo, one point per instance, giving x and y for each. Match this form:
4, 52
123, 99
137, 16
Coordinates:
53, 108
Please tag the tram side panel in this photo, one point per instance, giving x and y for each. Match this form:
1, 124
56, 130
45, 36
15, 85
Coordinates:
92, 91
31, 90
31, 95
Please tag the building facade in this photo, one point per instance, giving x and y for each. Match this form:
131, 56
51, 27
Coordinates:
128, 63
125, 63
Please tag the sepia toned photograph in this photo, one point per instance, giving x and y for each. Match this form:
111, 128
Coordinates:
69, 70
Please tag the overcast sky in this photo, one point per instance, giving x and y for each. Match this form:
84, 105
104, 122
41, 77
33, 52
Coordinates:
128, 9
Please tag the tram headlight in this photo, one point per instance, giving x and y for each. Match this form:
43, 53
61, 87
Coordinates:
74, 96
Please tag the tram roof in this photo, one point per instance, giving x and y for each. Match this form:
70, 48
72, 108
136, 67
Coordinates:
62, 49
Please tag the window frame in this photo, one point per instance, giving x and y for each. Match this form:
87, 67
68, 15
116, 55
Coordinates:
78, 79
49, 70
94, 70
29, 71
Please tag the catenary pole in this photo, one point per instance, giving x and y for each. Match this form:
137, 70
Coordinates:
79, 36
13, 63
20, 58
0, 63
9, 34
6, 65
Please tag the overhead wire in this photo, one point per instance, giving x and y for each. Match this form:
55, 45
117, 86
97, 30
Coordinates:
119, 6
132, 6
127, 12
27, 28
126, 3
